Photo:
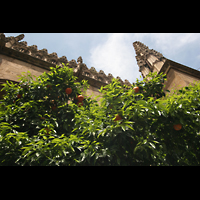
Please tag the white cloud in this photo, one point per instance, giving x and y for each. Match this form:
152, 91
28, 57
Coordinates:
180, 47
116, 56
170, 44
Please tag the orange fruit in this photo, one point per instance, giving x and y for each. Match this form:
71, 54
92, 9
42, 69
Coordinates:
117, 117
136, 89
177, 127
19, 96
80, 104
42, 118
68, 90
52, 101
80, 98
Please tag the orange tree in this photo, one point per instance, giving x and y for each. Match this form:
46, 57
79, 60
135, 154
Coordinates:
49, 122
35, 115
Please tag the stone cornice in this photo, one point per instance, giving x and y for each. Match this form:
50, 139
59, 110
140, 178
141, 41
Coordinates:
177, 66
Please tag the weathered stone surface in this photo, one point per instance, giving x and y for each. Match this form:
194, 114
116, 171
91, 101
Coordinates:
2, 40
178, 75
17, 57
11, 68
148, 60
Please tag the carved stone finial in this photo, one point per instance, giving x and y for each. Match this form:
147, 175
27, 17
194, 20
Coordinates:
19, 37
93, 70
44, 51
53, 58
79, 60
54, 54
120, 80
84, 67
13, 40
33, 47
72, 63
101, 72
2, 36
63, 59
110, 76
127, 82
2, 40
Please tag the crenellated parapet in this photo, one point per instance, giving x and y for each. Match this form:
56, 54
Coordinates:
14, 43
80, 69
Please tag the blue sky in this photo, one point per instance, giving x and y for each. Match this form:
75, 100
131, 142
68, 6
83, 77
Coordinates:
114, 53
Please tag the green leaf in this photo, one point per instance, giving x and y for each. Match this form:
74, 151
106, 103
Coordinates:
44, 137
56, 140
130, 127
123, 128
152, 145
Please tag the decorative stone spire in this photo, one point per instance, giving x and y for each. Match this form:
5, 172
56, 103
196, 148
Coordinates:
79, 60
148, 60
10, 41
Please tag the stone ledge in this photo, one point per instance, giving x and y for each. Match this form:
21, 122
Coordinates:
26, 58
177, 66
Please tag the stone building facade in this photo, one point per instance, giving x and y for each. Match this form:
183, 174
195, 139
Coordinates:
178, 75
17, 57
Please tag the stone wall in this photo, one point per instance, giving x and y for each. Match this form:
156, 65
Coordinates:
177, 79
17, 57
11, 68
178, 75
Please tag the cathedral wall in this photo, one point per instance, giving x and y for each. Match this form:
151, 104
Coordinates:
177, 79
151, 59
158, 65
11, 68
93, 92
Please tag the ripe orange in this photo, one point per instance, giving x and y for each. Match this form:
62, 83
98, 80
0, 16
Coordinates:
80, 104
80, 98
117, 117
42, 118
68, 91
136, 89
19, 96
52, 101
177, 127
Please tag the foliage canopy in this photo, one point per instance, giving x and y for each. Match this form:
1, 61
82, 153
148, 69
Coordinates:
42, 125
